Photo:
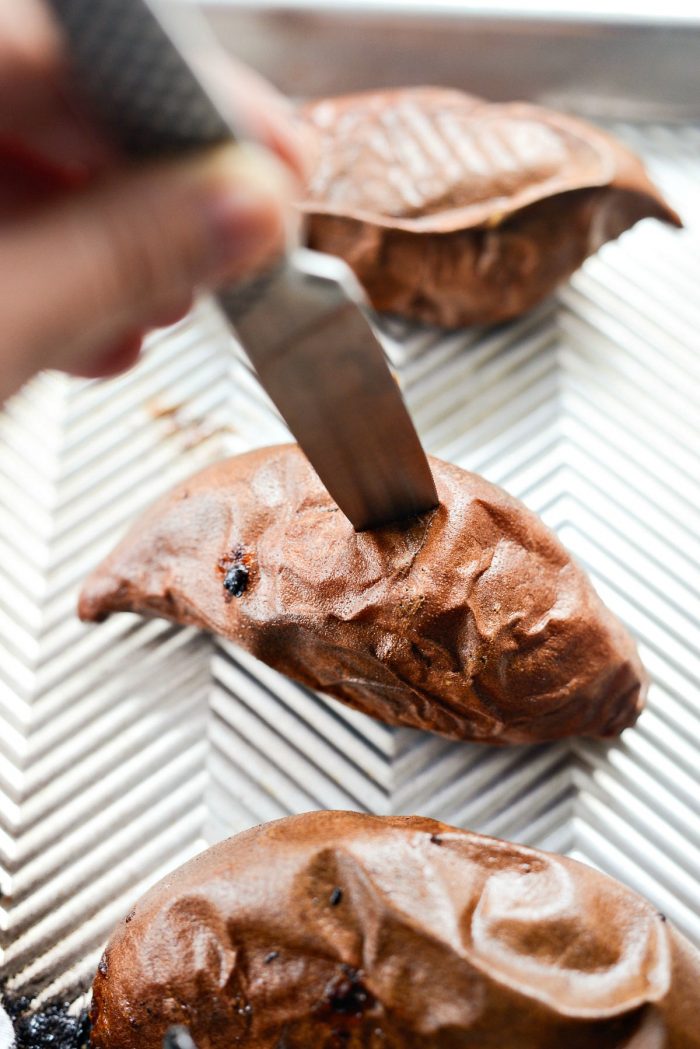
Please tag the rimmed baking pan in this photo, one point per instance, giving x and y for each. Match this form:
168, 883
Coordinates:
127, 747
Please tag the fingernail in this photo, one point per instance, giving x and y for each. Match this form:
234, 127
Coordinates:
248, 209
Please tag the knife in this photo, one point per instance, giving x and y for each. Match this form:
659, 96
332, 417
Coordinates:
143, 65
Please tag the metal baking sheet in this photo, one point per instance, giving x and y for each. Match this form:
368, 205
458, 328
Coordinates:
126, 748
615, 64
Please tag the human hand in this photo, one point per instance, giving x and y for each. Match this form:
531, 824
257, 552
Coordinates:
94, 251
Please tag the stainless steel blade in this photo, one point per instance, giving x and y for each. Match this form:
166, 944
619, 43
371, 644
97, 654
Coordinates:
315, 353
301, 325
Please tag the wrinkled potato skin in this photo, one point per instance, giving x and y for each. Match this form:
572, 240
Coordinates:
456, 211
335, 929
472, 621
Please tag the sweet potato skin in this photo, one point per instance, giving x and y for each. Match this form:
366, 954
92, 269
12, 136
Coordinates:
337, 929
457, 211
471, 621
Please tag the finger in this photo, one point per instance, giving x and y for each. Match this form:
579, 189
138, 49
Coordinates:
38, 107
172, 313
43, 105
117, 358
264, 115
124, 353
29, 180
93, 267
29, 47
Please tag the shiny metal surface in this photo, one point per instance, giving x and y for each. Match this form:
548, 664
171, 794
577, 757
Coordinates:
125, 748
595, 63
323, 367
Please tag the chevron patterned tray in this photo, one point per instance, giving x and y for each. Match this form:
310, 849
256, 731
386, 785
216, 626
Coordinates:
127, 747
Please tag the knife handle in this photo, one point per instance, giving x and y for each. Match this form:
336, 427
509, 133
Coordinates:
136, 79
146, 92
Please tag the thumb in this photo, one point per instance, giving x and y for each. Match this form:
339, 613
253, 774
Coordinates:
84, 273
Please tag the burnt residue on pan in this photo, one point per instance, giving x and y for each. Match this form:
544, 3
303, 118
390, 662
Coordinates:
52, 1026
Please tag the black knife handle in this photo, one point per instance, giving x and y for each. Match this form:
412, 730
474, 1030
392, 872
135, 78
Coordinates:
135, 79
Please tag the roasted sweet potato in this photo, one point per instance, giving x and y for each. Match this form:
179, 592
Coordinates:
458, 211
335, 929
471, 621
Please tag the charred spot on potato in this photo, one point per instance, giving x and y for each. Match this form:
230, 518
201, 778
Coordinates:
346, 995
235, 568
399, 624
236, 580
54, 1024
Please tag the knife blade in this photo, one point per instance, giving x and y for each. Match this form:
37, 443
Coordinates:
303, 323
